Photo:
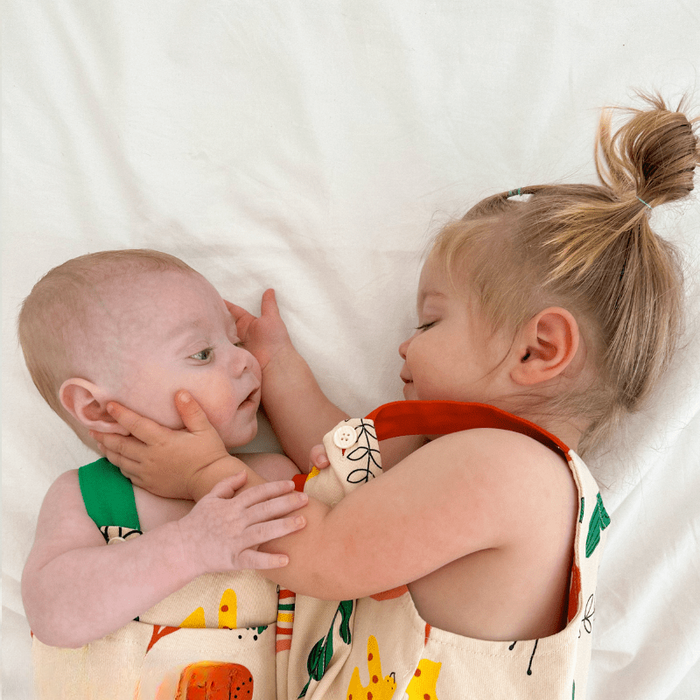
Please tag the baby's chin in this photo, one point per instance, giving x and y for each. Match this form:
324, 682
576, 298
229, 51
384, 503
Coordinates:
243, 436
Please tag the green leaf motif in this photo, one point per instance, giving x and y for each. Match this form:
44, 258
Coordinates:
345, 609
321, 655
599, 521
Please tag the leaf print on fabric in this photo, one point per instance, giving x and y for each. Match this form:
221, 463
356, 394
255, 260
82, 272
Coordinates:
322, 652
367, 454
599, 521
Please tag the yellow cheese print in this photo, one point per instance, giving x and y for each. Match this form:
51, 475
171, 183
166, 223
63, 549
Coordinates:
378, 688
422, 685
195, 619
228, 613
228, 610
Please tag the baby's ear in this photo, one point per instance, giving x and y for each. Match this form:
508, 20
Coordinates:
87, 403
545, 347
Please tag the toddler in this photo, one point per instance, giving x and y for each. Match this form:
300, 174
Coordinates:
544, 315
134, 326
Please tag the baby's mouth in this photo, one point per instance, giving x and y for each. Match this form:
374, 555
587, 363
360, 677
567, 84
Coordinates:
251, 398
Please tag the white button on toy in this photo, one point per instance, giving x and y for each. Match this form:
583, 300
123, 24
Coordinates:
345, 437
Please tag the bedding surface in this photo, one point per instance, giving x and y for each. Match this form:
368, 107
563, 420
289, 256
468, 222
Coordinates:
315, 147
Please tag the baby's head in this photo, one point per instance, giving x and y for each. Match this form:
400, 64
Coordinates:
590, 251
135, 326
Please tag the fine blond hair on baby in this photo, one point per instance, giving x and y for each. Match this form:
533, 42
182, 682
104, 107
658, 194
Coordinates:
590, 249
58, 314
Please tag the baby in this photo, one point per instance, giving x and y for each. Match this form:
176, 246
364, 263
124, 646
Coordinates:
135, 326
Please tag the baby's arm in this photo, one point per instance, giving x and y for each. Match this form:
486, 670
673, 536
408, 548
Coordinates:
77, 589
300, 413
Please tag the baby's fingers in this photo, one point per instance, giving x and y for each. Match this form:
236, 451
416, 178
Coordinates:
260, 533
252, 559
275, 508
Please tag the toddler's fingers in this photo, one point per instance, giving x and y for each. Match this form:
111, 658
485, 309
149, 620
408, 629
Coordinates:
191, 412
126, 466
238, 312
139, 426
127, 447
268, 304
319, 457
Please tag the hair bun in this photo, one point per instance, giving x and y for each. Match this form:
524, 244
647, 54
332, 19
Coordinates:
650, 159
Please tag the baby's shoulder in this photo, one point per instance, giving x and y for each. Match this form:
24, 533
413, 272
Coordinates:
155, 510
64, 502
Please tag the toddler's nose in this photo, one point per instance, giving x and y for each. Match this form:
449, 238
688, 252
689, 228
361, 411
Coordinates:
404, 347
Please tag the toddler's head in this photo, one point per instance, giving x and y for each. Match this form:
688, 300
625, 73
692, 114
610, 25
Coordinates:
591, 251
135, 326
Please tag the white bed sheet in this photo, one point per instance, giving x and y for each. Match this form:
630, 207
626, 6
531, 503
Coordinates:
314, 147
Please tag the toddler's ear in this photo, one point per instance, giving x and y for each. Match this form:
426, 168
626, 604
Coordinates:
546, 346
87, 403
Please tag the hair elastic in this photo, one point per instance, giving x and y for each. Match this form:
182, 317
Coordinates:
515, 193
644, 203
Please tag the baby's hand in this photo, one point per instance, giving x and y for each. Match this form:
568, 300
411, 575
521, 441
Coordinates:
263, 336
318, 457
223, 530
158, 459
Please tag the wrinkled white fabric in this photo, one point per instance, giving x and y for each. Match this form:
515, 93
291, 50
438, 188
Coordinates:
313, 147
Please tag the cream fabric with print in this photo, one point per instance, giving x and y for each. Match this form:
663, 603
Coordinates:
380, 647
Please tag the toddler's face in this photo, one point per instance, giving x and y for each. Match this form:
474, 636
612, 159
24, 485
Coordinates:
176, 333
451, 356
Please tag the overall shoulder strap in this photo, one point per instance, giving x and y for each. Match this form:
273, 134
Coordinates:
441, 417
108, 495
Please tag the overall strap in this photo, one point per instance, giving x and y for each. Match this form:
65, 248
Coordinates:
108, 495
442, 417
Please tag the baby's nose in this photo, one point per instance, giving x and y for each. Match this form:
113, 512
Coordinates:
240, 361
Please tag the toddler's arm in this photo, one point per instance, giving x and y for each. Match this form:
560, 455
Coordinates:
77, 589
457, 495
300, 413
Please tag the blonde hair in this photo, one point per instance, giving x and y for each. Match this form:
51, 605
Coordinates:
59, 307
591, 249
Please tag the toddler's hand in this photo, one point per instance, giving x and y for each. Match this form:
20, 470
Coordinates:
318, 457
158, 459
223, 530
263, 336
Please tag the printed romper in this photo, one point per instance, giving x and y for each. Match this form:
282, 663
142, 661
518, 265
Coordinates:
379, 647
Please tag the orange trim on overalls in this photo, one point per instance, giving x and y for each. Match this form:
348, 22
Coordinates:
442, 417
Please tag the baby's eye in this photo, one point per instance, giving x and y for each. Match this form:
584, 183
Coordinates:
203, 355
